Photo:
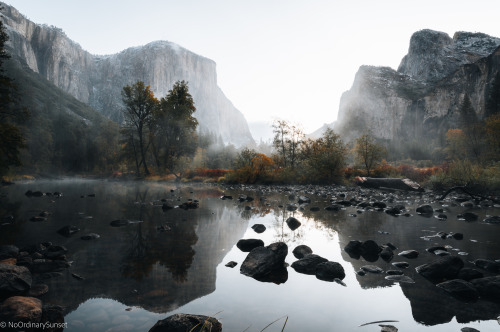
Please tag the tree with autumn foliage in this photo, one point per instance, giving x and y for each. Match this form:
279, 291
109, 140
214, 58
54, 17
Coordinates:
252, 167
368, 152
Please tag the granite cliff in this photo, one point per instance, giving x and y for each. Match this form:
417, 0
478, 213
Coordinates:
423, 97
98, 80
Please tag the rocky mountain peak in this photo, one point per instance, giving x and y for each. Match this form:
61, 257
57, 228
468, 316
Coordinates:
433, 55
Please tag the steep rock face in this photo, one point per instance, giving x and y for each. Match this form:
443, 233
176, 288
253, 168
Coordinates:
98, 80
424, 95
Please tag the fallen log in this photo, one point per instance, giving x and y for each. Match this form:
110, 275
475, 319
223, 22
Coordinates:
391, 183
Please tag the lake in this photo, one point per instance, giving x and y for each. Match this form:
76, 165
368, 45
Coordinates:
173, 261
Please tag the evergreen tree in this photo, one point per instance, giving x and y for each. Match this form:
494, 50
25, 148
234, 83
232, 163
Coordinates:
493, 101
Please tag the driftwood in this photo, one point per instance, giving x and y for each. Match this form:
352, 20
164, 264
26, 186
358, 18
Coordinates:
390, 183
466, 191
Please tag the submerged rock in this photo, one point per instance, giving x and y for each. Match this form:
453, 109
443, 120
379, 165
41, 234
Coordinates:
308, 264
187, 322
442, 269
262, 261
488, 288
460, 289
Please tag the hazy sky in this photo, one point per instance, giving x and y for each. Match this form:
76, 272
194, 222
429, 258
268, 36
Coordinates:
284, 59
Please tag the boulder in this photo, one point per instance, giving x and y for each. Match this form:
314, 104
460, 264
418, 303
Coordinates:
460, 289
68, 230
441, 269
262, 261
353, 249
90, 236
187, 322
246, 245
21, 309
304, 199
293, 223
469, 274
8, 251
468, 216
372, 269
334, 207
329, 271
409, 254
308, 264
370, 250
386, 254
301, 251
425, 210
14, 280
488, 265
259, 228
488, 288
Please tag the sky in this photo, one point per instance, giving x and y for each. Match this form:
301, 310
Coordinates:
276, 59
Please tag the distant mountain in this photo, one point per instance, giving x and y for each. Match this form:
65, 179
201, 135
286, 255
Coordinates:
98, 80
319, 132
422, 99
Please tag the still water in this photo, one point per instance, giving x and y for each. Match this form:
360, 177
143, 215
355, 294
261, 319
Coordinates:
174, 261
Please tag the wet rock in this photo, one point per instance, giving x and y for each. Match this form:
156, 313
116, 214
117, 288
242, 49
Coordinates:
458, 236
119, 223
38, 219
388, 328
353, 249
246, 245
469, 329
55, 315
379, 205
409, 254
77, 276
468, 216
14, 280
189, 205
372, 269
401, 265
55, 252
425, 210
231, 264
304, 199
259, 228
488, 265
334, 207
492, 220
394, 272
442, 216
90, 236
314, 209
469, 274
432, 250
395, 210
8, 251
488, 288
370, 250
293, 223
329, 271
308, 264
460, 289
187, 322
69, 230
262, 261
441, 269
387, 254
21, 309
301, 251
400, 278
166, 207
467, 204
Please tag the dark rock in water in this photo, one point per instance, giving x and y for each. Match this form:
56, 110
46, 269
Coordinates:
166, 207
458, 236
334, 207
467, 204
53, 314
469, 329
21, 309
409, 254
55, 252
77, 276
379, 205
314, 209
8, 251
394, 272
442, 216
293, 223
433, 249
301, 251
329, 271
120, 223
231, 264
14, 280
262, 261
468, 274
425, 210
400, 278
226, 197
401, 265
361, 273
441, 269
492, 220
291, 207
488, 265
468, 216
90, 236
460, 289
392, 246
488, 288
372, 269
387, 254
304, 199
308, 264
353, 249
259, 228
189, 205
388, 328
187, 322
370, 250
246, 245
68, 230
441, 253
